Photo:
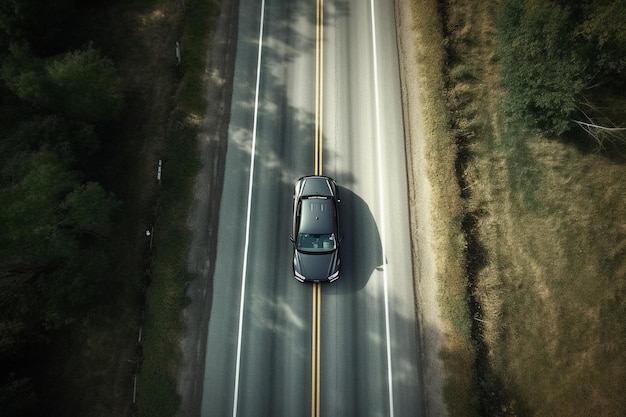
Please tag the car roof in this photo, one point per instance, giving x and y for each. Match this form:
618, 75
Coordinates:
317, 215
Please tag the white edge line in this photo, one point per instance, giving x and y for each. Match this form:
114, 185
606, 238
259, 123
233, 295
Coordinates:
248, 214
381, 207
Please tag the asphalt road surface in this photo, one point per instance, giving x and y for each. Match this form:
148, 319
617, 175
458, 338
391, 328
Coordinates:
296, 72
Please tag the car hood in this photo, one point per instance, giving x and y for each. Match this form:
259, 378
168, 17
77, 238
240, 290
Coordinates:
316, 266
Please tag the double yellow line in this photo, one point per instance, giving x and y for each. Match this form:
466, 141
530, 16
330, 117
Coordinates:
317, 289
319, 83
315, 349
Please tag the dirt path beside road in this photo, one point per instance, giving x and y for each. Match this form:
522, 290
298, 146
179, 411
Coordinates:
420, 209
204, 214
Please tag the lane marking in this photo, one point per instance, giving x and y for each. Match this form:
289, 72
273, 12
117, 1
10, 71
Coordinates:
319, 84
316, 350
317, 289
381, 208
248, 214
316, 322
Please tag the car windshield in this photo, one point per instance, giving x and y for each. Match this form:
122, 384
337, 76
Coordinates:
308, 242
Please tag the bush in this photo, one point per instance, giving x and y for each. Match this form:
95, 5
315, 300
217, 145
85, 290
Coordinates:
543, 71
562, 61
80, 85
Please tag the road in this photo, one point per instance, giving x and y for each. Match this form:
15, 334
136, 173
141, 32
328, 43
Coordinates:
259, 351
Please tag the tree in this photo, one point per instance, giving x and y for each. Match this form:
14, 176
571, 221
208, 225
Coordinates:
542, 70
79, 85
24, 75
603, 29
603, 32
49, 220
29, 213
56, 97
88, 210
51, 262
85, 86
74, 142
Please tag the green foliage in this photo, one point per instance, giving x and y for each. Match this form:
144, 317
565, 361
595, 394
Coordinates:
55, 102
29, 216
24, 74
79, 85
553, 53
69, 292
542, 70
71, 140
45, 218
84, 85
603, 29
51, 261
89, 209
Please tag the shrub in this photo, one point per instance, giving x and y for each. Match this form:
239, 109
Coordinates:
542, 69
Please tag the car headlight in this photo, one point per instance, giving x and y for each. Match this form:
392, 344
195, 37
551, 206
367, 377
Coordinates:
299, 276
333, 276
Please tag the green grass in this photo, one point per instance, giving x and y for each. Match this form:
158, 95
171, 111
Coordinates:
166, 296
194, 49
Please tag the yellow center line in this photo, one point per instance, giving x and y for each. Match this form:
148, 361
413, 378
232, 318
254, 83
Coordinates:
319, 81
315, 349
317, 289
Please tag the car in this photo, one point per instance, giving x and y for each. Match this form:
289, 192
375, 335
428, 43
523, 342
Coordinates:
315, 229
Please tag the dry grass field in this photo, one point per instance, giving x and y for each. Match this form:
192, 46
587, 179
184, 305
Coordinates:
447, 241
544, 220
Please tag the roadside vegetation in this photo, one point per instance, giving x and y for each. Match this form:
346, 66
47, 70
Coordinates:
167, 293
92, 98
60, 98
535, 106
448, 240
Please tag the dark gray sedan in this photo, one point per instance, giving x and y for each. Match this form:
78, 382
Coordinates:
315, 229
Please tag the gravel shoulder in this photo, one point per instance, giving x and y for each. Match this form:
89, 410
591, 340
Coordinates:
420, 209
204, 214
